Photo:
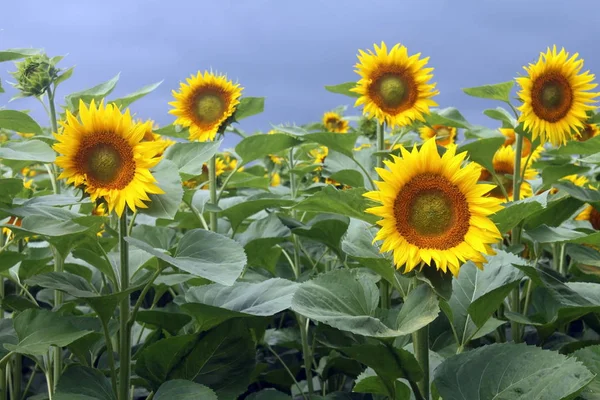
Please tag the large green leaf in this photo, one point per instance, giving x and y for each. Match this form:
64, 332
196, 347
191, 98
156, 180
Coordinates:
96, 93
515, 212
501, 114
590, 357
248, 107
388, 361
238, 212
348, 301
18, 121
260, 237
31, 150
369, 382
205, 254
213, 304
510, 371
578, 192
482, 150
83, 383
170, 321
15, 54
498, 91
342, 143
39, 329
49, 221
476, 294
189, 157
179, 389
327, 229
257, 146
448, 117
165, 205
343, 88
222, 358
125, 101
350, 203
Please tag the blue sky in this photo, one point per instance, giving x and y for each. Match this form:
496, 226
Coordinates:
287, 51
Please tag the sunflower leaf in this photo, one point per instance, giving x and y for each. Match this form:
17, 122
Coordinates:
165, 205
184, 390
511, 371
350, 203
96, 93
498, 91
248, 107
125, 101
19, 122
190, 157
344, 88
448, 117
15, 54
79, 382
257, 146
482, 150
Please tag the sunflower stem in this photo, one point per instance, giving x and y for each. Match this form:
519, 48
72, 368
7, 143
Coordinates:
212, 185
125, 330
384, 288
54, 123
111, 356
58, 298
306, 353
421, 348
515, 298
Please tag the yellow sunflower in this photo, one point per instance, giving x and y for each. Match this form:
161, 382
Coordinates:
555, 96
444, 135
504, 167
394, 86
275, 179
434, 211
99, 210
335, 123
205, 103
150, 136
591, 215
589, 131
103, 151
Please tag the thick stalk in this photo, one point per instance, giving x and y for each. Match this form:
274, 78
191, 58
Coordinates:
421, 348
17, 375
384, 286
212, 185
515, 297
54, 123
124, 331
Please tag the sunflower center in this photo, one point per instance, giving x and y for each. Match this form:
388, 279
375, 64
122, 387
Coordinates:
432, 212
393, 89
103, 163
552, 96
209, 107
595, 218
586, 133
442, 133
107, 161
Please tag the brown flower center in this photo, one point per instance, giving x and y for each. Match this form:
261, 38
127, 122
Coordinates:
209, 107
394, 91
106, 160
551, 96
431, 212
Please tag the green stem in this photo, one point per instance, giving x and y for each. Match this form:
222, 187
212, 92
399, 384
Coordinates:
515, 297
140, 299
54, 123
288, 371
17, 374
384, 286
58, 298
561, 259
303, 324
212, 185
124, 331
421, 348
226, 181
49, 384
111, 357
30, 381
3, 384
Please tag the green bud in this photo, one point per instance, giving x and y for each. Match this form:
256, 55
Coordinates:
34, 75
367, 127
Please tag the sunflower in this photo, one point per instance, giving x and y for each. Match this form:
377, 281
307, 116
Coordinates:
555, 96
510, 140
275, 179
444, 135
99, 210
394, 87
205, 103
504, 168
434, 211
335, 123
104, 152
590, 214
589, 131
150, 136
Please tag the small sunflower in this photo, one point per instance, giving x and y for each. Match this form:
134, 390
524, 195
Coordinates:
205, 103
434, 211
104, 152
504, 168
589, 131
590, 214
335, 123
394, 86
444, 135
555, 96
510, 140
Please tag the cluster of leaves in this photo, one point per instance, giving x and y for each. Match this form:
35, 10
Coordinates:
283, 300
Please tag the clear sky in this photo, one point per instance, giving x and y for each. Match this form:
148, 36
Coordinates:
286, 50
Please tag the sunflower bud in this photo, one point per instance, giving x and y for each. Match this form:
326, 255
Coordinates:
34, 75
367, 127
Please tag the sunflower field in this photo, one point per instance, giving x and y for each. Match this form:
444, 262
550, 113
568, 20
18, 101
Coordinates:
401, 254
